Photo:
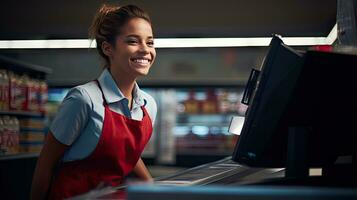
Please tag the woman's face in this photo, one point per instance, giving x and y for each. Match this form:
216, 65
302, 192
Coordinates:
134, 51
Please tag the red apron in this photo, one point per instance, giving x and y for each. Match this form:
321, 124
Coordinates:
119, 148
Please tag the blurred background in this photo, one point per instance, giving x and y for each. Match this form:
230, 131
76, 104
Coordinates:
197, 90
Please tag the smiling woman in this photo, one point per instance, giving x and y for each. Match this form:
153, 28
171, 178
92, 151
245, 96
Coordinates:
102, 127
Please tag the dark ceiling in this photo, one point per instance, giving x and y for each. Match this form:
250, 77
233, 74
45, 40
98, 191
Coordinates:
40, 19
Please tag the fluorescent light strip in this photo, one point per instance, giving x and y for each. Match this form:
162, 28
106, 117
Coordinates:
173, 42
46, 44
210, 42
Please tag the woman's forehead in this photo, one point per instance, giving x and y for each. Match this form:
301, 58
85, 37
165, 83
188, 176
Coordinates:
137, 27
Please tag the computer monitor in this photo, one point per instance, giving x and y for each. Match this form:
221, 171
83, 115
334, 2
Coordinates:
313, 91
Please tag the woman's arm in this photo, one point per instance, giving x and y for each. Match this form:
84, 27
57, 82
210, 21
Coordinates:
51, 153
141, 171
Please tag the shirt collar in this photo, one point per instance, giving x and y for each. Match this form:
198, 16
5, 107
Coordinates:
113, 94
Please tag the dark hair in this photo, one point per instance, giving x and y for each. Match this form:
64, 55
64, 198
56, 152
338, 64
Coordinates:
109, 20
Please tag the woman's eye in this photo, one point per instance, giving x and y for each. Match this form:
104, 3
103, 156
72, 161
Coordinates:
151, 44
132, 42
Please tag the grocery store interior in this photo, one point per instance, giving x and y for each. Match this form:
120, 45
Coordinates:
206, 51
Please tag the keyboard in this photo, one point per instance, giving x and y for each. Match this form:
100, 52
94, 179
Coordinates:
207, 173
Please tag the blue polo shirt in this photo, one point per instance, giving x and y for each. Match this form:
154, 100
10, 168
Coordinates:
79, 120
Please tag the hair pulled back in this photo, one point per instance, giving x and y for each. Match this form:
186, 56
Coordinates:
108, 22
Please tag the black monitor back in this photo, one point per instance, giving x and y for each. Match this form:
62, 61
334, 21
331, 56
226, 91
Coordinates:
314, 91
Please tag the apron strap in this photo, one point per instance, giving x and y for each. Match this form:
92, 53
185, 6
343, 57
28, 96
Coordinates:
100, 88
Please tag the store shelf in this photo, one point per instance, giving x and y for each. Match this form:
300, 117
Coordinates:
21, 113
196, 119
18, 69
18, 156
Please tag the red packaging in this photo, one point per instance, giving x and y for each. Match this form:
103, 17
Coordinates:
32, 94
13, 90
43, 96
24, 89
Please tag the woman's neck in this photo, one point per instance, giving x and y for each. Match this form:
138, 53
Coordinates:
125, 83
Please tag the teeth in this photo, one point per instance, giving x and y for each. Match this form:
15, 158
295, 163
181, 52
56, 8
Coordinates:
141, 61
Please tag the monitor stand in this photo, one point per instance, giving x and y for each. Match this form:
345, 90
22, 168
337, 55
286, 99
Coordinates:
297, 165
297, 161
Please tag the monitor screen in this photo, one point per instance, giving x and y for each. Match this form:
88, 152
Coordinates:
299, 90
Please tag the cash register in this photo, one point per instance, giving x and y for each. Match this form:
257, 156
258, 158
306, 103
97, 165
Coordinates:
302, 114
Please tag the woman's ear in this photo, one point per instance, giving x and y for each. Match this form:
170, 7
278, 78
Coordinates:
107, 49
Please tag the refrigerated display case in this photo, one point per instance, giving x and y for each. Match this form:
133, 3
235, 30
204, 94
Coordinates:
203, 116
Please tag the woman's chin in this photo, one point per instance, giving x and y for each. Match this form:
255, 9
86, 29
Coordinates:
141, 72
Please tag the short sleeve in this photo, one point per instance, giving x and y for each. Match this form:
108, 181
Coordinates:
72, 116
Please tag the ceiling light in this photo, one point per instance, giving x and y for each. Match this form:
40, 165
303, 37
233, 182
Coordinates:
173, 42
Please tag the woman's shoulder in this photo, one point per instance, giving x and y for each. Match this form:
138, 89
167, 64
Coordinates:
86, 93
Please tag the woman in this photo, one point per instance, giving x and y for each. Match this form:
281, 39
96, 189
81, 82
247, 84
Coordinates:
102, 126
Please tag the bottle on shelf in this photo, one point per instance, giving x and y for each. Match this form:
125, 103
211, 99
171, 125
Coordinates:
9, 135
33, 94
4, 90
2, 137
223, 101
233, 101
24, 87
43, 96
15, 131
14, 91
191, 104
18, 86
6, 134
210, 104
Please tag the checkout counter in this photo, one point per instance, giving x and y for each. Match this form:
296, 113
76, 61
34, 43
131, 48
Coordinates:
225, 179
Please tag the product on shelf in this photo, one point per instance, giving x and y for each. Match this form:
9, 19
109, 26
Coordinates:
33, 123
15, 131
191, 104
224, 104
24, 87
15, 92
3, 139
34, 93
43, 97
210, 104
9, 134
233, 102
229, 101
31, 94
4, 90
24, 135
32, 134
22, 93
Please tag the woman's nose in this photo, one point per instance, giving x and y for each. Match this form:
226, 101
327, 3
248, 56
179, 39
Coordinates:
144, 48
